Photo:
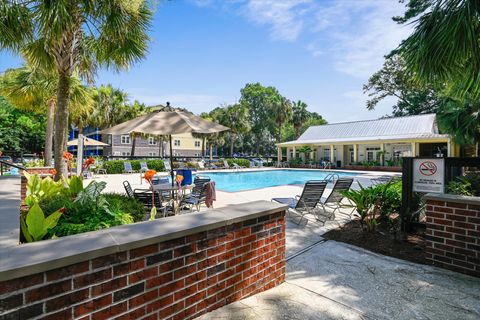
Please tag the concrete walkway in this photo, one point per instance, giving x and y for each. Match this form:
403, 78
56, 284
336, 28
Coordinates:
333, 280
9, 210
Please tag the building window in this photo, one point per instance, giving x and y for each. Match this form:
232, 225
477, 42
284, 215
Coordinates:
125, 139
176, 143
326, 154
152, 154
197, 154
152, 141
373, 154
109, 139
197, 144
126, 153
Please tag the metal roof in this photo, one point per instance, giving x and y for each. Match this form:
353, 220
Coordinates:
397, 128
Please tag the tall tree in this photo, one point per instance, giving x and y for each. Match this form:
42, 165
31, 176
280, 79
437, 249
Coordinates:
74, 36
35, 90
444, 47
236, 117
300, 115
257, 99
282, 113
394, 80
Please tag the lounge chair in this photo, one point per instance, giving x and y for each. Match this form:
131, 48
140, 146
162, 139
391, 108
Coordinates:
143, 166
198, 194
226, 165
307, 202
127, 167
145, 197
335, 198
236, 166
201, 165
215, 167
384, 179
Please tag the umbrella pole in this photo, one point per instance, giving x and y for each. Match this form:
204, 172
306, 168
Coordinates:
171, 160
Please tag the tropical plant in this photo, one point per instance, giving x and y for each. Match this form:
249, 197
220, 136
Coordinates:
282, 111
444, 46
40, 188
35, 225
466, 185
34, 90
72, 37
364, 200
299, 116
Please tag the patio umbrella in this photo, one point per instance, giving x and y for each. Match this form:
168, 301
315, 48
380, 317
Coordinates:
166, 123
87, 142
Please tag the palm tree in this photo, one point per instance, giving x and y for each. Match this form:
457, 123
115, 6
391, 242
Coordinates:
236, 117
444, 48
282, 110
299, 116
460, 117
74, 36
110, 104
35, 90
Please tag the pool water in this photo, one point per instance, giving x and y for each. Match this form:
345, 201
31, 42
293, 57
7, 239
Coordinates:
241, 181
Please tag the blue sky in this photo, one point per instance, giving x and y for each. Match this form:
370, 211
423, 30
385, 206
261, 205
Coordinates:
319, 51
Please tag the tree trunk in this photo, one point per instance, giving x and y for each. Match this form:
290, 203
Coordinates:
61, 124
279, 134
203, 147
49, 133
231, 145
134, 139
257, 147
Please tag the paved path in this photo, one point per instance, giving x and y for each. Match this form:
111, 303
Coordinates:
333, 280
9, 210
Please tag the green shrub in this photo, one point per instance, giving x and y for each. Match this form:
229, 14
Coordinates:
116, 166
241, 162
121, 203
467, 185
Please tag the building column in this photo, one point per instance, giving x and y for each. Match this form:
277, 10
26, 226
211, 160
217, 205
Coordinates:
279, 154
332, 153
414, 149
294, 152
355, 152
449, 148
288, 154
382, 155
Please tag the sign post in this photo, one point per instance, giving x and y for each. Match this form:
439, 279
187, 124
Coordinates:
429, 175
80, 155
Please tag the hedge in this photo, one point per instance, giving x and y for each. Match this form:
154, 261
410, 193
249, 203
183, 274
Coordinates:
241, 162
116, 166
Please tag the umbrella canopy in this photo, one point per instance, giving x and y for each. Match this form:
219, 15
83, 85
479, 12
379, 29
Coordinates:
166, 123
87, 142
163, 123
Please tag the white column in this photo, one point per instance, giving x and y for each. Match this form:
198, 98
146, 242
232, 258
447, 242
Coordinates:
382, 157
414, 149
279, 154
332, 153
288, 154
449, 148
79, 155
294, 152
355, 152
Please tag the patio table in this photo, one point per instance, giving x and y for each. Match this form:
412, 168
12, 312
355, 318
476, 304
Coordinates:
174, 203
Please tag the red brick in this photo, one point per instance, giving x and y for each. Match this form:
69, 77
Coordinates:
108, 260
159, 280
108, 286
182, 272
135, 314
20, 283
142, 275
443, 234
48, 290
160, 303
216, 250
455, 230
92, 305
60, 315
171, 265
143, 251
110, 311
128, 267
443, 222
91, 278
67, 300
68, 271
436, 203
455, 243
456, 205
172, 243
196, 236
195, 277
143, 298
171, 287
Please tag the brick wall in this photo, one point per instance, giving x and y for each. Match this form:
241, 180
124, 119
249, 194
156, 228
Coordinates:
453, 235
180, 278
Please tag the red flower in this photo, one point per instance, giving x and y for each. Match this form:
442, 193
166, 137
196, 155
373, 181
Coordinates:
53, 172
62, 210
67, 156
149, 175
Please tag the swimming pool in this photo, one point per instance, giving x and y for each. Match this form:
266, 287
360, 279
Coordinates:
249, 180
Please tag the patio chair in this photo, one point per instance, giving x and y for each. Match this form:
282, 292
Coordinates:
236, 166
143, 166
307, 202
226, 165
201, 165
335, 198
198, 194
127, 167
145, 197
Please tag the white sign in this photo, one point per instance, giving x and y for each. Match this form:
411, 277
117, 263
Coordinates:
428, 175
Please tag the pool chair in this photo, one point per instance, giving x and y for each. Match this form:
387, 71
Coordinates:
201, 165
226, 165
215, 167
236, 166
384, 179
143, 166
127, 167
198, 194
335, 198
145, 197
308, 201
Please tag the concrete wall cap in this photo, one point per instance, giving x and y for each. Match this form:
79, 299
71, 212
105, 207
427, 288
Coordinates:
37, 257
452, 198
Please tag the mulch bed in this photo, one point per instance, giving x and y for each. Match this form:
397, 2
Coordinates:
406, 246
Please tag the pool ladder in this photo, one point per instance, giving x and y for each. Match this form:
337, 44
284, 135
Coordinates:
331, 177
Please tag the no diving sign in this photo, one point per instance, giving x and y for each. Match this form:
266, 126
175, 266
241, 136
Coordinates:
428, 175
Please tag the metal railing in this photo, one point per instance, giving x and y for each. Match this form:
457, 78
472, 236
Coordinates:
6, 164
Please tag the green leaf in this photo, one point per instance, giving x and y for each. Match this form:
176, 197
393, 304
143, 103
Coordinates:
24, 228
75, 185
51, 221
35, 222
153, 213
